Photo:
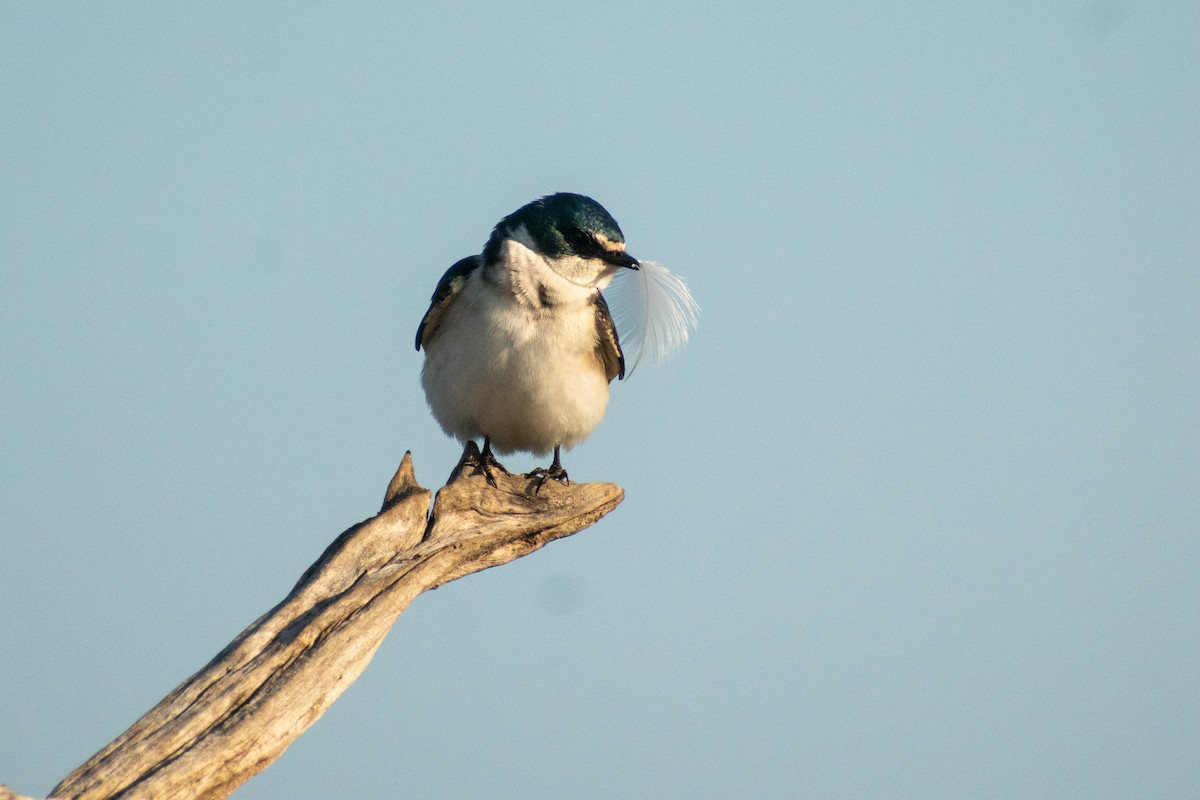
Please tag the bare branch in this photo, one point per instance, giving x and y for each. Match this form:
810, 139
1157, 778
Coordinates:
239, 713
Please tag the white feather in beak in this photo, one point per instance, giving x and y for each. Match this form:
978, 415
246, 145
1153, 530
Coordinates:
653, 310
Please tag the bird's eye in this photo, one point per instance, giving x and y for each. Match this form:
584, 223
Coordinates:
580, 240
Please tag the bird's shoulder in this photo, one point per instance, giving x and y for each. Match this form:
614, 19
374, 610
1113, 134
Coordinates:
447, 290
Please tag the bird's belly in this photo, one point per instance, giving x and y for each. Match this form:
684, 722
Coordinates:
528, 383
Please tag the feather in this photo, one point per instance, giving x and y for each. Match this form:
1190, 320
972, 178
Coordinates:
653, 310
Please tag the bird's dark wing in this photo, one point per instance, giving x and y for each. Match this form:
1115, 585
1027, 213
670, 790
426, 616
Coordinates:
608, 347
443, 296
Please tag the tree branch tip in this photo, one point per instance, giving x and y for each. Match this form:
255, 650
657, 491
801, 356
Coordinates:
403, 483
8, 794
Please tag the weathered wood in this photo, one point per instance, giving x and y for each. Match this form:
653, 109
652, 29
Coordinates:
239, 713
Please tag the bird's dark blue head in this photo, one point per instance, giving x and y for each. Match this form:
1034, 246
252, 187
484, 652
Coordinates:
565, 224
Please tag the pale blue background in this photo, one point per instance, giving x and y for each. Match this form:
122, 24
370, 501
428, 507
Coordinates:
915, 515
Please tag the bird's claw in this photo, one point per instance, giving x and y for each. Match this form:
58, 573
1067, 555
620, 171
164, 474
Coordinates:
484, 466
555, 471
541, 475
480, 463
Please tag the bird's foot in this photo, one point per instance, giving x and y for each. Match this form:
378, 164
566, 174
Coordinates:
541, 475
480, 462
555, 471
487, 463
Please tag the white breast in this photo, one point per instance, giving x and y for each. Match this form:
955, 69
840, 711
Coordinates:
515, 360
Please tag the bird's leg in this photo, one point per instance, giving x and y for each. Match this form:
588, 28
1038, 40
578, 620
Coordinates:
556, 472
487, 463
478, 462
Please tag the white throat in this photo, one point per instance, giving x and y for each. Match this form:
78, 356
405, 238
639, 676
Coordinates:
543, 283
591, 273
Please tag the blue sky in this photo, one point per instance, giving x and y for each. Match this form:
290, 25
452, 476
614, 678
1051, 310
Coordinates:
915, 514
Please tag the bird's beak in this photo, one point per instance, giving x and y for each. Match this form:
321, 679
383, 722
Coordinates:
622, 259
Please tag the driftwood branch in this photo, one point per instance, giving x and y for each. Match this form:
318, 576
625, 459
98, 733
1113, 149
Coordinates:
234, 717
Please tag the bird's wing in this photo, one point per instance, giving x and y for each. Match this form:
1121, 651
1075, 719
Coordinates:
443, 296
608, 347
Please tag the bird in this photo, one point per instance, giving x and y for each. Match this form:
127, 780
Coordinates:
520, 345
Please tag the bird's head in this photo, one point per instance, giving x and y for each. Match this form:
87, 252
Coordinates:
578, 238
